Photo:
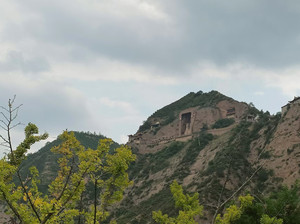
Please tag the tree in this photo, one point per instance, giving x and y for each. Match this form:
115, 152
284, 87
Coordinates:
234, 213
106, 171
284, 207
189, 205
237, 214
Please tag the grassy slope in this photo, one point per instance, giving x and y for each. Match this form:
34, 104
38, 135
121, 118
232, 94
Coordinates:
46, 161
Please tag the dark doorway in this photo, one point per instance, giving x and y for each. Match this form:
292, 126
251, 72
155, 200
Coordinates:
185, 122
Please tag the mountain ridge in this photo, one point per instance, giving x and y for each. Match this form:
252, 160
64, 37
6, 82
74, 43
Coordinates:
204, 156
203, 140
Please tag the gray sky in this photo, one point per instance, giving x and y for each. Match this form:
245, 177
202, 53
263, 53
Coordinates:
105, 66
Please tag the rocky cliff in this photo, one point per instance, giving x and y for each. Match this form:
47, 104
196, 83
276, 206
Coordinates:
212, 145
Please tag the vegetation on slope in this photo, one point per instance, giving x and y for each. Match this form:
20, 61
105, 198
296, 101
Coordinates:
46, 161
152, 163
232, 158
188, 204
283, 204
223, 123
190, 156
280, 207
169, 113
104, 170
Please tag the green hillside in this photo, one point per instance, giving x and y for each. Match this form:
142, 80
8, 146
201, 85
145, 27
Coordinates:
46, 161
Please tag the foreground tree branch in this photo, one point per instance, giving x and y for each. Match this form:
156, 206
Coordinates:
77, 167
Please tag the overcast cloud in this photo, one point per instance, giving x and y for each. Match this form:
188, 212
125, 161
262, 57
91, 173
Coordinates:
105, 66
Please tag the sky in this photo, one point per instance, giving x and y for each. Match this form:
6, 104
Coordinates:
104, 66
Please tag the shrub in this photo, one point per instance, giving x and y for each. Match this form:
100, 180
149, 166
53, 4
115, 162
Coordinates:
223, 123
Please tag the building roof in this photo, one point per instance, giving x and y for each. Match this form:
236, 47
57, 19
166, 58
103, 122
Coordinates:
295, 99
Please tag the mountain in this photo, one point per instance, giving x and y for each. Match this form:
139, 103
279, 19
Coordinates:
209, 143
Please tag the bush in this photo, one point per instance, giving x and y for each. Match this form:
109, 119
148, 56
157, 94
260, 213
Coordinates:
154, 162
223, 123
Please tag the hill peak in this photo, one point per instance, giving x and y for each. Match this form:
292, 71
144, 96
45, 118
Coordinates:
184, 118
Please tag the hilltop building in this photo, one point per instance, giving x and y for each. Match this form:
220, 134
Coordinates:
286, 107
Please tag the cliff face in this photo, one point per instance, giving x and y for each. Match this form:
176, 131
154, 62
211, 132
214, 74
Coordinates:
284, 146
187, 122
217, 144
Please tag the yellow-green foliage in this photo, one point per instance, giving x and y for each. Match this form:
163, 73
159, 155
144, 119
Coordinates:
234, 212
189, 206
18, 155
78, 166
265, 219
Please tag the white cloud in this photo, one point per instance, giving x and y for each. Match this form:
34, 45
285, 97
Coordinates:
123, 139
10, 12
286, 80
130, 8
111, 70
259, 93
17, 61
52, 105
125, 107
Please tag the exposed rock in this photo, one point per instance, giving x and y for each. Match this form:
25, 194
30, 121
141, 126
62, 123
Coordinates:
257, 142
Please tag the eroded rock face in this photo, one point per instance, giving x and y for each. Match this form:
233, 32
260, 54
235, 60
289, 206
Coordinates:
284, 146
188, 122
269, 142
